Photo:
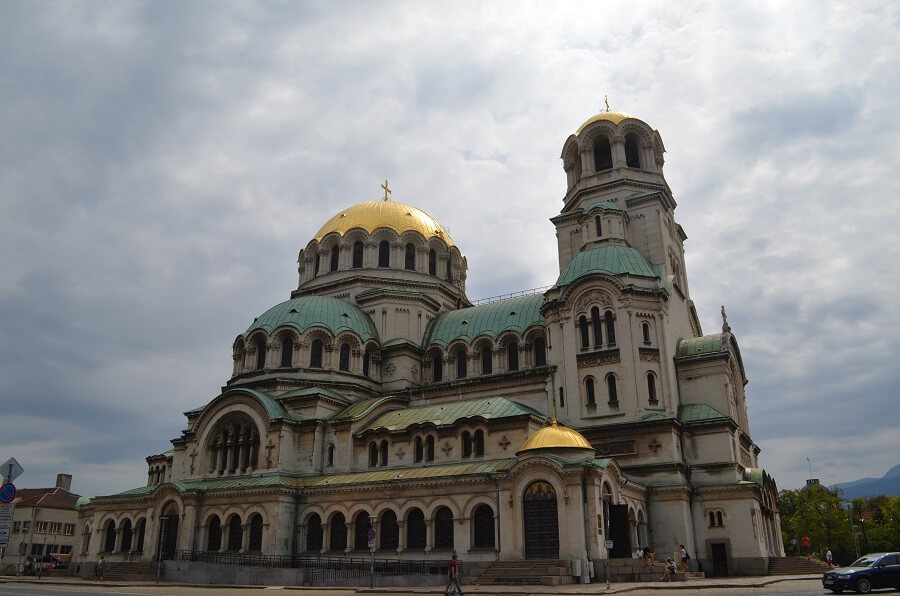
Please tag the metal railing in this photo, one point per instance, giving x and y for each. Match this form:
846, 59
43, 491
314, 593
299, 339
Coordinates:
319, 567
518, 294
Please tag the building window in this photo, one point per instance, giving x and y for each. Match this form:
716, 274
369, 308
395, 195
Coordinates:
390, 531
344, 358
461, 363
449, 269
110, 543
483, 530
632, 151
429, 449
316, 266
719, 518
466, 444
602, 154
540, 352
437, 365
716, 519
373, 454
361, 531
330, 459
598, 226
562, 398
645, 331
610, 328
443, 529
335, 255
419, 452
256, 533
26, 525
366, 364
487, 361
214, 538
314, 533
384, 254
68, 529
17, 526
357, 255
415, 529
260, 353
338, 533
585, 334
432, 262
595, 323
287, 350
651, 389
478, 443
315, 354
512, 355
40, 527
55, 527
611, 388
409, 261
383, 450
590, 396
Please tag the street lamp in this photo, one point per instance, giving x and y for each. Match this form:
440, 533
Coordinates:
853, 529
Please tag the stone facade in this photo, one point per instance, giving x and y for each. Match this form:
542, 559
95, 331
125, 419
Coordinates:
379, 395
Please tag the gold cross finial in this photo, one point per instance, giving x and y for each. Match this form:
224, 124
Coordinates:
606, 101
387, 190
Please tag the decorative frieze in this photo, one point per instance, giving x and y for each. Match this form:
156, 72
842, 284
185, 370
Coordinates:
617, 448
599, 357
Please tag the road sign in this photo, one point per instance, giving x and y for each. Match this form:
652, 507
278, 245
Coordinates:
609, 544
7, 492
7, 511
371, 544
371, 534
11, 469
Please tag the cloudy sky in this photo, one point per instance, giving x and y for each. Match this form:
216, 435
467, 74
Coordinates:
162, 163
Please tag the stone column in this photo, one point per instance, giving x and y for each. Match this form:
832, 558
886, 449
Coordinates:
349, 525
245, 537
429, 535
617, 144
401, 538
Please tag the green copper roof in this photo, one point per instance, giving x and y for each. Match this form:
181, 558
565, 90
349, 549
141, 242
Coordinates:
360, 408
696, 346
449, 413
415, 473
516, 314
700, 413
754, 475
612, 259
603, 205
653, 416
311, 391
312, 311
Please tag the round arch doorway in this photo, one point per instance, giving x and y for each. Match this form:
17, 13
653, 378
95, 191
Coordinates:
168, 533
541, 521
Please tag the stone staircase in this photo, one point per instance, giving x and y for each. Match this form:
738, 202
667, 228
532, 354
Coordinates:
631, 570
796, 566
126, 572
549, 572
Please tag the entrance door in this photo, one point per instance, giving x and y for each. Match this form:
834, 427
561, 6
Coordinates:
720, 558
541, 522
168, 534
620, 532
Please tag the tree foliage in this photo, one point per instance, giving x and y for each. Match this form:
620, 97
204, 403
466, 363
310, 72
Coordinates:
823, 515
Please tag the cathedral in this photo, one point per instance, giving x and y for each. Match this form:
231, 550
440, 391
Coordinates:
379, 407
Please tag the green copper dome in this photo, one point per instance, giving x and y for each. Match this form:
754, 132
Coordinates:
316, 311
515, 314
613, 259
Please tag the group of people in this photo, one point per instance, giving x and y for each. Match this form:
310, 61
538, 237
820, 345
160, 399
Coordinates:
646, 555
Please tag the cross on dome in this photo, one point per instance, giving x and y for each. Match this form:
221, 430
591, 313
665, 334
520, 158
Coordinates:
387, 190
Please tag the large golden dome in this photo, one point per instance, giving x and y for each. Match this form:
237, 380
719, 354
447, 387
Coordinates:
614, 117
372, 215
555, 437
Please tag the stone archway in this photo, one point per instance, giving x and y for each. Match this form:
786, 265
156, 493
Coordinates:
168, 533
539, 513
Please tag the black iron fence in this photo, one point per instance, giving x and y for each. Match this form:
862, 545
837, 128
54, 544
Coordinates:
321, 568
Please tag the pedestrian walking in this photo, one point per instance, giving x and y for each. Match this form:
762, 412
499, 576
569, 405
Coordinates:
100, 569
453, 578
685, 557
828, 558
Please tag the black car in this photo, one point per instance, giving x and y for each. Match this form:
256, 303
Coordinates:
875, 570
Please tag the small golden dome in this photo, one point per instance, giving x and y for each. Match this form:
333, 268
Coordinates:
555, 437
372, 215
614, 117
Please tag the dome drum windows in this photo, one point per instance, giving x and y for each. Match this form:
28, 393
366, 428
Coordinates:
357, 255
409, 259
632, 151
602, 153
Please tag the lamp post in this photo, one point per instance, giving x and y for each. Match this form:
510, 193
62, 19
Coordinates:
853, 529
606, 539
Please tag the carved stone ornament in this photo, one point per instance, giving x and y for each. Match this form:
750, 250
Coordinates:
595, 297
504, 442
389, 369
617, 448
447, 448
400, 453
414, 371
654, 446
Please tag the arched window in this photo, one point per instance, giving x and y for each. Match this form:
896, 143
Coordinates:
483, 530
712, 519
432, 262
233, 445
314, 533
487, 360
345, 357
366, 363
719, 519
419, 450
389, 531
383, 450
466, 444
409, 261
361, 531
590, 397
461, 363
126, 536
595, 323
415, 529
632, 151
315, 354
512, 355
357, 255
599, 226
645, 331
651, 388
449, 269
443, 529
335, 254
214, 536
429, 449
256, 532
373, 454
141, 529
110, 543
602, 154
585, 333
330, 458
316, 266
384, 254
260, 344
540, 352
610, 328
562, 398
611, 388
235, 534
287, 350
337, 533
437, 368
478, 443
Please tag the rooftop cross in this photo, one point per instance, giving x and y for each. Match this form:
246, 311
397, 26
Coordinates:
606, 101
387, 190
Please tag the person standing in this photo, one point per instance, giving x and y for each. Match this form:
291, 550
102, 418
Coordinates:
100, 569
804, 542
453, 577
828, 558
685, 557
